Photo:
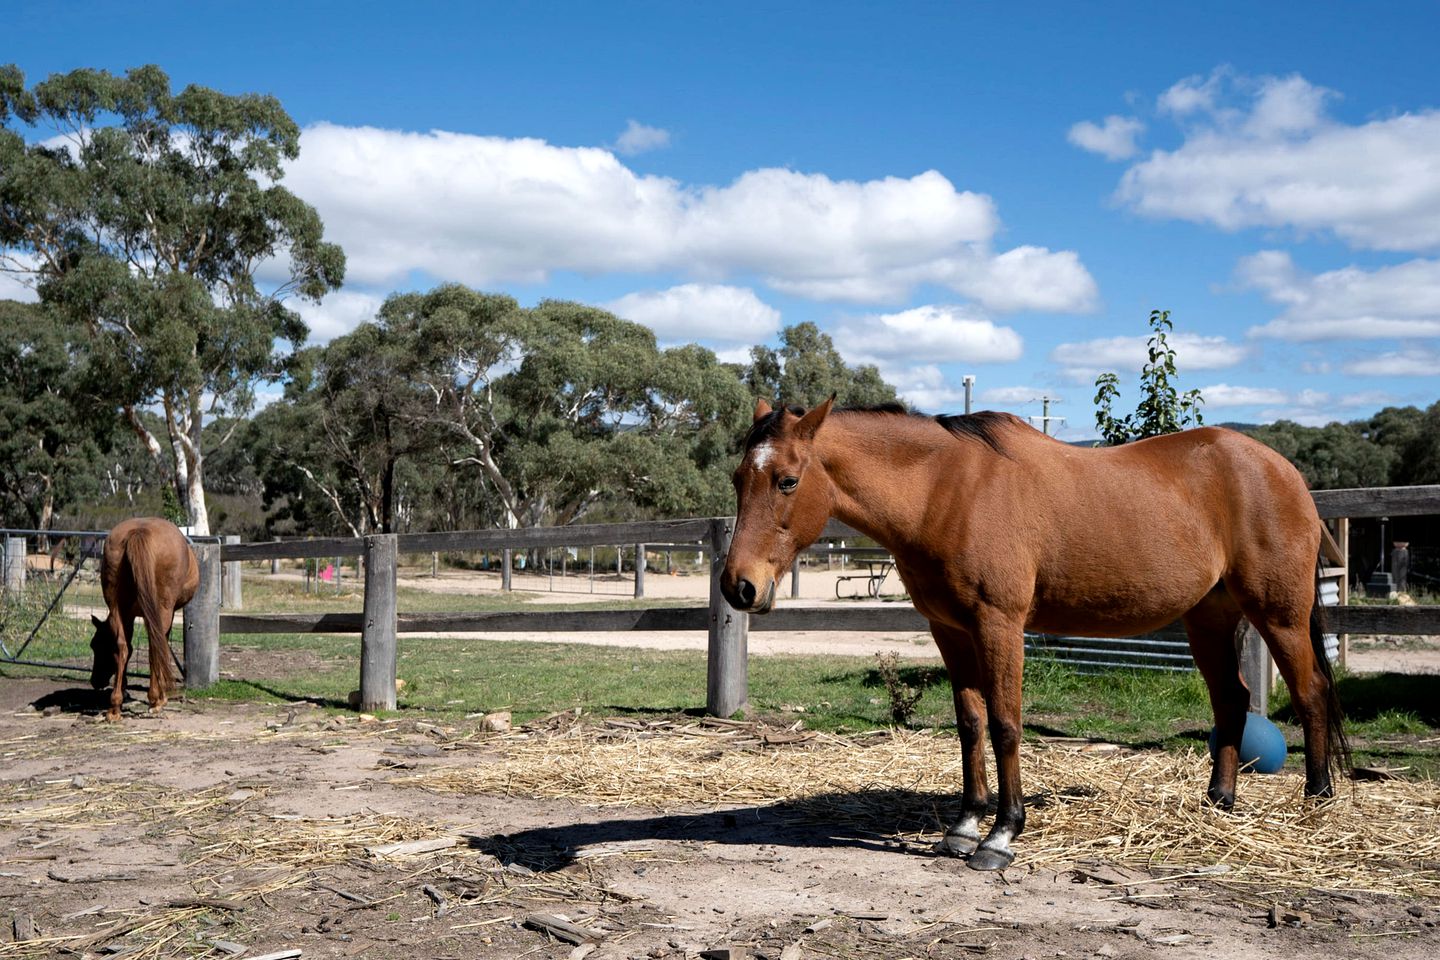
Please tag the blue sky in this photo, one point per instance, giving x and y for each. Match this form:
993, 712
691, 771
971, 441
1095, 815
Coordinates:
1003, 190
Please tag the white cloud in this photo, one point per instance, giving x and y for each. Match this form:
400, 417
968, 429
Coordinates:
1017, 395
1192, 95
1084, 361
640, 138
696, 311
926, 388
935, 334
1346, 304
1225, 395
1114, 139
337, 314
1411, 363
485, 210
1263, 153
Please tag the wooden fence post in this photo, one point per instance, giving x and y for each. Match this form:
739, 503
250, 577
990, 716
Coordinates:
377, 636
795, 577
727, 682
230, 597
639, 570
15, 565
505, 561
1254, 666
202, 621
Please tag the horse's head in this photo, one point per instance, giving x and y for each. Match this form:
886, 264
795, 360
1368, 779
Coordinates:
103, 646
783, 498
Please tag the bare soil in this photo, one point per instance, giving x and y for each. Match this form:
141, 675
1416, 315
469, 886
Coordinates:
253, 826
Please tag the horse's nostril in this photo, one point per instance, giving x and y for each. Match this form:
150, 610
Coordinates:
746, 591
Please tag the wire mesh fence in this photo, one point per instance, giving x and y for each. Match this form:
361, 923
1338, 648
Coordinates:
51, 589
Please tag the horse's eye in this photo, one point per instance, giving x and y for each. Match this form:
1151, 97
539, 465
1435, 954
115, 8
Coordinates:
789, 483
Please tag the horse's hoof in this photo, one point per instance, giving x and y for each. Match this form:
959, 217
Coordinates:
988, 858
956, 845
112, 716
1221, 800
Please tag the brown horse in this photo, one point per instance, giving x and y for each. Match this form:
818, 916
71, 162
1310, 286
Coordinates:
149, 571
997, 528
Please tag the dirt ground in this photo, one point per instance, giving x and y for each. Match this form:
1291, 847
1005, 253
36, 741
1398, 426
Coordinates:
218, 829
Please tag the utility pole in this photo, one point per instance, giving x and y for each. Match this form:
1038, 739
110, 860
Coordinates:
969, 382
1045, 417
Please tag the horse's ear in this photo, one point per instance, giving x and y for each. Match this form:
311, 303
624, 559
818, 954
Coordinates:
96, 621
762, 409
809, 424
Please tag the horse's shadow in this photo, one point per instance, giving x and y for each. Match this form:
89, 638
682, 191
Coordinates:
74, 700
883, 820
819, 821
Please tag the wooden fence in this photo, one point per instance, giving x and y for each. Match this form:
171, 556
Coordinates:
727, 684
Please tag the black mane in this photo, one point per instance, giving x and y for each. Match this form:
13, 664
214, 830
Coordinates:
983, 426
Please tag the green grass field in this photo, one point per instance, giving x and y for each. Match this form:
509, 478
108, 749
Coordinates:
1393, 720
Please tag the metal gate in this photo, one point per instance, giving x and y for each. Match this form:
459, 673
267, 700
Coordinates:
48, 595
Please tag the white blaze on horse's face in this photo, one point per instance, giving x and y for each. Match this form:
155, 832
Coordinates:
778, 511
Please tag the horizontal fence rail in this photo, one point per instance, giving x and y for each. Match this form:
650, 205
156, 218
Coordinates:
728, 629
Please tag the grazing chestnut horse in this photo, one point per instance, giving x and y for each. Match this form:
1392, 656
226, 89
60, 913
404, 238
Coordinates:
149, 571
997, 528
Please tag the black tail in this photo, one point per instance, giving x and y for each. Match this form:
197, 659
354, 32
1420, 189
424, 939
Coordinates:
1339, 745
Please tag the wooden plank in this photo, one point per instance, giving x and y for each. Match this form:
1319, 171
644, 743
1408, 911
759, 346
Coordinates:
517, 621
1378, 501
378, 647
1370, 619
1254, 666
294, 549
727, 681
1330, 548
202, 621
579, 535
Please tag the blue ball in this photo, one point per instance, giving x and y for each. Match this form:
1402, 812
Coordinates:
1262, 745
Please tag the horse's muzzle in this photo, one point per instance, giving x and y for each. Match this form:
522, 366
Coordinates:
744, 596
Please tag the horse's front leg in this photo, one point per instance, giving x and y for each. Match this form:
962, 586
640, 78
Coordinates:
1001, 649
123, 636
958, 652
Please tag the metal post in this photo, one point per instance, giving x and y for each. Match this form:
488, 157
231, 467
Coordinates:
795, 577
727, 688
230, 597
15, 565
969, 382
275, 561
505, 560
202, 621
377, 632
639, 570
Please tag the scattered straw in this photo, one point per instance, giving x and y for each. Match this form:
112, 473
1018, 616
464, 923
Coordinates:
1142, 809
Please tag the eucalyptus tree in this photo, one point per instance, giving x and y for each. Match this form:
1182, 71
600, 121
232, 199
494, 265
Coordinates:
157, 220
49, 447
807, 369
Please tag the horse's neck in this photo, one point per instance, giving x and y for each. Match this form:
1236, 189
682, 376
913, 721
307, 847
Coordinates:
883, 469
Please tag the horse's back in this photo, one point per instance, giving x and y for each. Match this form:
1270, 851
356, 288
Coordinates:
1135, 535
148, 553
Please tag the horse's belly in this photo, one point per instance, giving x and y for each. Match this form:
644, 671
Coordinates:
1120, 612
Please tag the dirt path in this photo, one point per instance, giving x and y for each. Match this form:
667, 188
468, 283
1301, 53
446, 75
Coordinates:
259, 827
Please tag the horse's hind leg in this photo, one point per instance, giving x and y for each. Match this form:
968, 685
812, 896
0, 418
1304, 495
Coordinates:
1211, 629
1291, 646
159, 637
958, 652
